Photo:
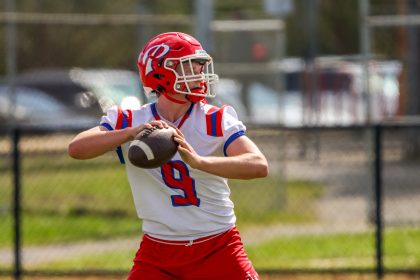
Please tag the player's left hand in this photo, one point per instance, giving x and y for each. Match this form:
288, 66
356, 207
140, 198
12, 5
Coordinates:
186, 151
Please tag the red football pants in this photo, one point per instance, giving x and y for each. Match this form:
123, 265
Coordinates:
220, 256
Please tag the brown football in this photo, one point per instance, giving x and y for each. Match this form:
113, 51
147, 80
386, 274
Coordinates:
152, 147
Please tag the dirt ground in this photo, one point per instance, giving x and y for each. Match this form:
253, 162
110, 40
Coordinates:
335, 276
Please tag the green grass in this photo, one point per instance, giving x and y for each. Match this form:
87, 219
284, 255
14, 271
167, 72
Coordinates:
310, 251
68, 200
322, 251
271, 200
52, 229
115, 261
401, 250
66, 186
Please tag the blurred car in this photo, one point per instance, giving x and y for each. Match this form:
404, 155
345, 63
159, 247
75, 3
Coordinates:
32, 107
266, 106
338, 99
229, 92
88, 91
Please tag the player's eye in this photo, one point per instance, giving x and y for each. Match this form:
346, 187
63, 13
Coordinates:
200, 61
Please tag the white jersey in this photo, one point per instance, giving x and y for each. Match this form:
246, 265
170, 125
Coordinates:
175, 201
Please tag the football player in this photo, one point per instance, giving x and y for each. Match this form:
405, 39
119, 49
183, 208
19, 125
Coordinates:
188, 216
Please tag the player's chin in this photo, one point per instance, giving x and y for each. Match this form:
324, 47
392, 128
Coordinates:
197, 95
198, 90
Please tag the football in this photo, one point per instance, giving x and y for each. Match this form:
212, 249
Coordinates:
152, 147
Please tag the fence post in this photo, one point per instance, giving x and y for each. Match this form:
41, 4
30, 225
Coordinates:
17, 204
377, 169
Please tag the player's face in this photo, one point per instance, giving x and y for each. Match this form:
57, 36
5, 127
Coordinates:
191, 78
188, 68
191, 68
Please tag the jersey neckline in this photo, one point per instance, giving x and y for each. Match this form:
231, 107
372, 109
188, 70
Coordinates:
182, 119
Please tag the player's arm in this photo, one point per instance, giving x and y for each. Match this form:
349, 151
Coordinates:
98, 140
244, 160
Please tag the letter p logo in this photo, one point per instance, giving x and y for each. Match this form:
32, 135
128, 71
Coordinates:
154, 52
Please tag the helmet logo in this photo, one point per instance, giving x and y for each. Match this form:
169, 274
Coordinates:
154, 52
200, 52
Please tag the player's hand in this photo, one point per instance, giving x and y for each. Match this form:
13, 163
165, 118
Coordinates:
186, 151
136, 130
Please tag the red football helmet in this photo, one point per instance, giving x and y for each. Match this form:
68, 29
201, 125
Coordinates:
175, 62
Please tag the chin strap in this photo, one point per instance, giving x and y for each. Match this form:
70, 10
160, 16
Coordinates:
195, 99
190, 98
173, 99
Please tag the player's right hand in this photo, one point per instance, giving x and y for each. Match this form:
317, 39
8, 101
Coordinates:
136, 130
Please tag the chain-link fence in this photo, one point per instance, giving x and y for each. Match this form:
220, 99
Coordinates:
317, 210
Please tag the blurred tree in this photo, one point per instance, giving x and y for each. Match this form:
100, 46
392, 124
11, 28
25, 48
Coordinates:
338, 28
62, 46
42, 45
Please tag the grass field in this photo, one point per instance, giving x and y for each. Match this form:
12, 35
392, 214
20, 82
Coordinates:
336, 251
69, 201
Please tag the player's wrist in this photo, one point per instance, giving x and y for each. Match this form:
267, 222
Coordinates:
200, 163
130, 133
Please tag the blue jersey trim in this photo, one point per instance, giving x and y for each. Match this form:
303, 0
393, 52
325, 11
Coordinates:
232, 138
124, 123
190, 109
107, 126
213, 118
119, 149
154, 111
120, 155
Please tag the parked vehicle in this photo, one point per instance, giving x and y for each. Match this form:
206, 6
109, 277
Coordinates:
33, 107
88, 91
337, 100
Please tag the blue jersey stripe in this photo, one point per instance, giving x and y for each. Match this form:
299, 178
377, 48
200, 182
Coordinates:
232, 138
107, 126
120, 155
124, 123
154, 111
119, 149
190, 109
213, 117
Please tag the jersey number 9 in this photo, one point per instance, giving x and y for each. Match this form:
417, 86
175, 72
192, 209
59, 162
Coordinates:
175, 174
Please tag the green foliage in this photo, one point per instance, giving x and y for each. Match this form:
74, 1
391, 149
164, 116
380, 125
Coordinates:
337, 28
63, 46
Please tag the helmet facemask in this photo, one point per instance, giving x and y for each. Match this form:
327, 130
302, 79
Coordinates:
186, 73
